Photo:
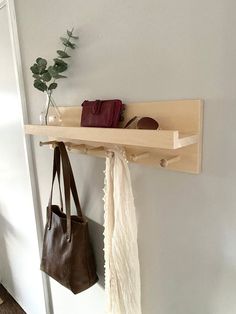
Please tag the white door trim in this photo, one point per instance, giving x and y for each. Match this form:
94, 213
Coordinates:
10, 6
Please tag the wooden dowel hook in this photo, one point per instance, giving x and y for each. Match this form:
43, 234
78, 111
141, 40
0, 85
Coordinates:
135, 157
47, 143
54, 144
165, 162
96, 149
81, 147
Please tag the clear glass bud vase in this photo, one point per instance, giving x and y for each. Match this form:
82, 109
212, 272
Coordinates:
51, 114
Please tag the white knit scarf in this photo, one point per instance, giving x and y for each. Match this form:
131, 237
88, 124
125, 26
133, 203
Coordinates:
122, 273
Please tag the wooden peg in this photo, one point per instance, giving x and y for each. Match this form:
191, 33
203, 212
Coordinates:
81, 147
96, 149
47, 143
165, 162
135, 157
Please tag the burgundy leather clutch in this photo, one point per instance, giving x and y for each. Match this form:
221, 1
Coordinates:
102, 113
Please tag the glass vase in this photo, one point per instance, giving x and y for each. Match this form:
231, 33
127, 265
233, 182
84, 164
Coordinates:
51, 114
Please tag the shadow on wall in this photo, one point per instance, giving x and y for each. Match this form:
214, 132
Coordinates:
90, 183
189, 244
7, 235
96, 234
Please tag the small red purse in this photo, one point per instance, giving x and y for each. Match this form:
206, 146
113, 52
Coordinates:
102, 113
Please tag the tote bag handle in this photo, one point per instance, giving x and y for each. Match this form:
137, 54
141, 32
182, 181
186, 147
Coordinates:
69, 185
56, 170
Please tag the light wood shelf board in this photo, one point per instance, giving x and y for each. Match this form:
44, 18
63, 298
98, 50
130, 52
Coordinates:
142, 138
180, 134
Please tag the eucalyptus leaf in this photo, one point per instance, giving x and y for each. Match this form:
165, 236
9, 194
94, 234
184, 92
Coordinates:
52, 86
71, 45
42, 69
40, 85
37, 76
41, 62
60, 65
63, 54
59, 61
58, 76
35, 68
52, 71
70, 34
60, 68
67, 43
46, 76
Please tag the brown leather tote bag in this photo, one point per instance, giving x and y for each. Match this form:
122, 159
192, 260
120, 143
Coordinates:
67, 254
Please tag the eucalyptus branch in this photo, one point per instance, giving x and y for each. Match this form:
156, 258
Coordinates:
65, 48
68, 38
47, 110
46, 75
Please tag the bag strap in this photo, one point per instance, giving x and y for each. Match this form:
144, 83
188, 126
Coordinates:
73, 188
69, 185
56, 170
66, 177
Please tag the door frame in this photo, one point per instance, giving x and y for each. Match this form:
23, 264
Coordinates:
15, 44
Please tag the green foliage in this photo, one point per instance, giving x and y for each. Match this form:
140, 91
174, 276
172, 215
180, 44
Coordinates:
41, 62
62, 54
35, 68
67, 43
45, 75
60, 65
69, 33
54, 73
40, 85
52, 86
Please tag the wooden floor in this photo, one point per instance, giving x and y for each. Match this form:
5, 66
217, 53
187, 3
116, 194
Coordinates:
7, 304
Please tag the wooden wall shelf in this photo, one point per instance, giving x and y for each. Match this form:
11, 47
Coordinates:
180, 135
126, 137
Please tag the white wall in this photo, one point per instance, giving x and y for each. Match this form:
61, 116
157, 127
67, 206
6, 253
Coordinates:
150, 50
19, 254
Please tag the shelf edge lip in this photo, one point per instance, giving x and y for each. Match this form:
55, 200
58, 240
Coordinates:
26, 126
29, 127
187, 141
175, 139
